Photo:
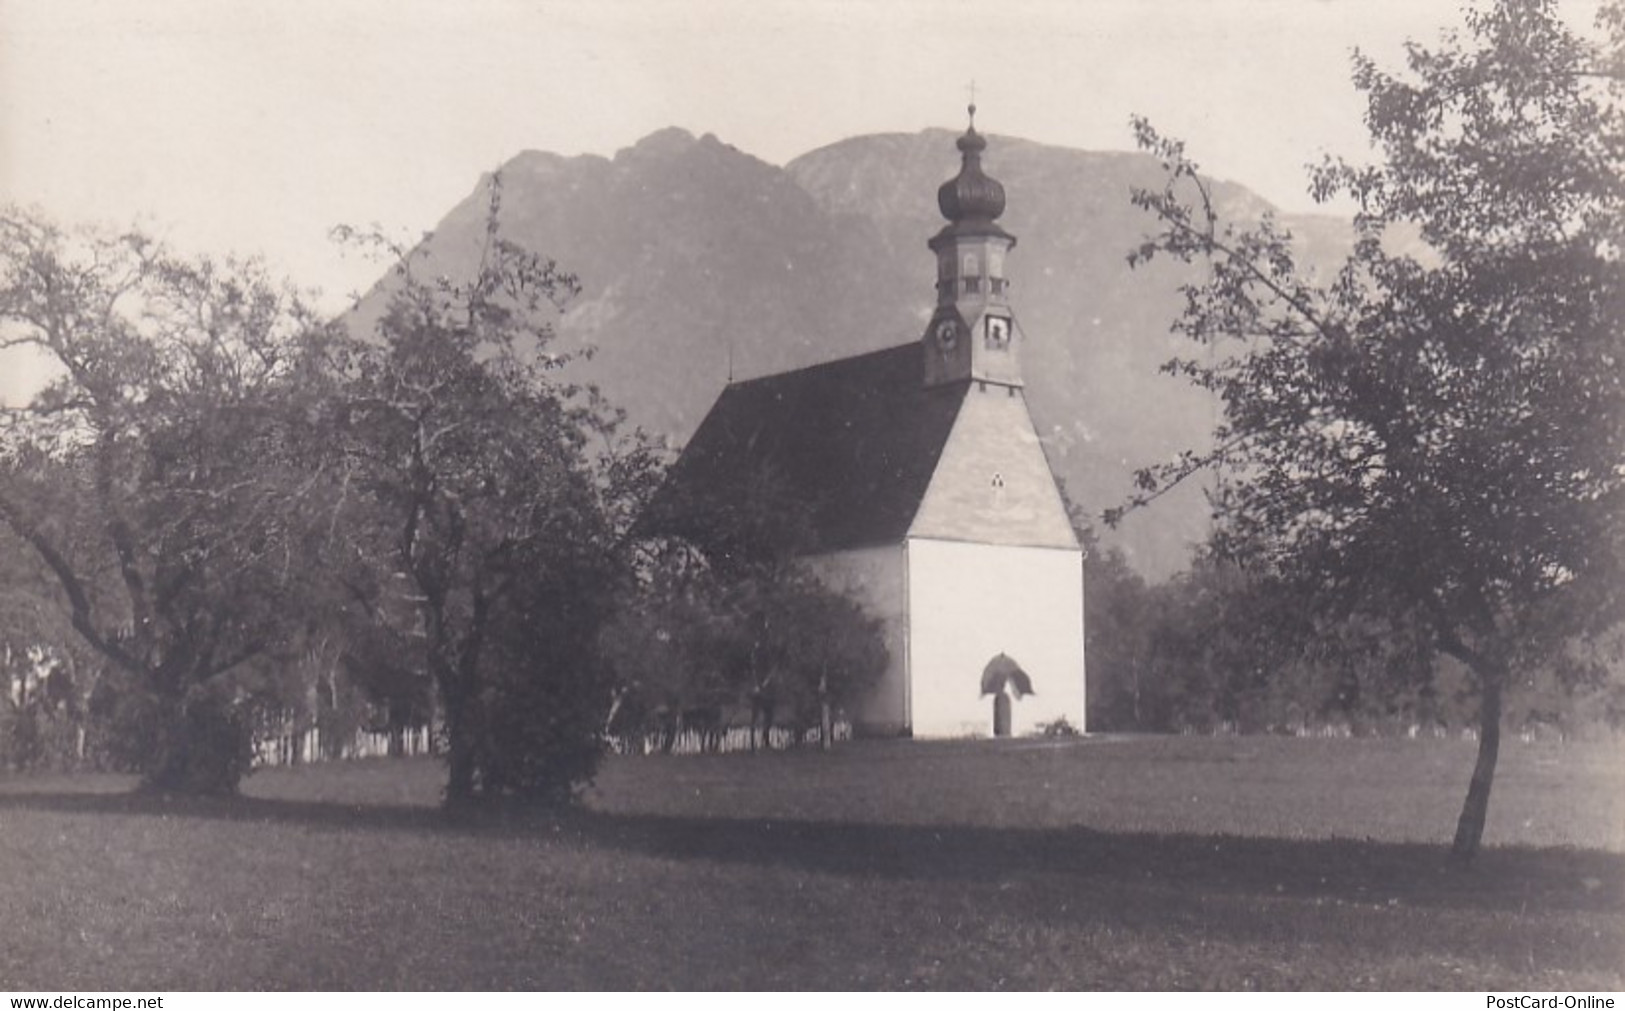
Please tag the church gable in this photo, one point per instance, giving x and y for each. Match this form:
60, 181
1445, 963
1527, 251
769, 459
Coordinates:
993, 484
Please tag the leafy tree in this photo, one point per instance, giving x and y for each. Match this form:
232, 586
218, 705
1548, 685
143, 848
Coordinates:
480, 490
667, 647
802, 647
545, 702
1435, 436
770, 640
1117, 638
160, 477
1229, 648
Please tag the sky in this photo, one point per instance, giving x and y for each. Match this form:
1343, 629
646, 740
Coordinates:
254, 127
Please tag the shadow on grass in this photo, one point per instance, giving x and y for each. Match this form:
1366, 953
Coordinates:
1510, 879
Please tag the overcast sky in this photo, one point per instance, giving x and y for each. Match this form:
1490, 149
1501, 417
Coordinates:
256, 126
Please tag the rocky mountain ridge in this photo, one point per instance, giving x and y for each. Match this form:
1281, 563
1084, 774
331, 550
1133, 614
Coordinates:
699, 262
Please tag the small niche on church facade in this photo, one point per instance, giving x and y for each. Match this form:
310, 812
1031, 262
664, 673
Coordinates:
997, 329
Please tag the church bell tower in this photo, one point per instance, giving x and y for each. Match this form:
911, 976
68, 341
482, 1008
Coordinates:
972, 333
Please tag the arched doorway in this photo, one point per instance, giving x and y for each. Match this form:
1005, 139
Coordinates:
1001, 678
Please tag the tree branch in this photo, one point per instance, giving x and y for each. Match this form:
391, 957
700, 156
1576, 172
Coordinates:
82, 617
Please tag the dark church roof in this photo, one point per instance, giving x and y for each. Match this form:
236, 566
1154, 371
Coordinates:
852, 443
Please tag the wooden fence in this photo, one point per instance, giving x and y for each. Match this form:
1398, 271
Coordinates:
724, 741
307, 746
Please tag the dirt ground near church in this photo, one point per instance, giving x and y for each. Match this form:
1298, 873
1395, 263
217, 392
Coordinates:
1118, 863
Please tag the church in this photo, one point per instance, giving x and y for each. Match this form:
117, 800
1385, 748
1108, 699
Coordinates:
928, 495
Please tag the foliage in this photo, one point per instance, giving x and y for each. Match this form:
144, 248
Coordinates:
1220, 648
39, 705
160, 479
1232, 650
544, 706
38, 709
666, 649
1434, 438
697, 648
806, 647
479, 490
260, 523
1117, 638
1061, 727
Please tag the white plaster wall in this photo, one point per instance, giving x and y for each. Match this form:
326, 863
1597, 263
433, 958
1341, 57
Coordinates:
876, 578
970, 602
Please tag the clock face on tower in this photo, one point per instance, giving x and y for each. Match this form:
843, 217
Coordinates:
998, 332
947, 335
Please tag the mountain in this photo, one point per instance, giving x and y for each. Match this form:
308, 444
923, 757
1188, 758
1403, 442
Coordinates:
697, 260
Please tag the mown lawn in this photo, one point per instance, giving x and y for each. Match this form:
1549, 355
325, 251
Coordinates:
1100, 863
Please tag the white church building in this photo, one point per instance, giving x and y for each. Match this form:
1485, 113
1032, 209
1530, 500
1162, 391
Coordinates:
929, 495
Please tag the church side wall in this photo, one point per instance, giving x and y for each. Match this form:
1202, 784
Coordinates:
875, 577
968, 603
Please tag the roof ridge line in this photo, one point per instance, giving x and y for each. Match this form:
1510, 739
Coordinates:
831, 363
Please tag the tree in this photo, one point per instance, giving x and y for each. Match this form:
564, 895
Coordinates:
802, 647
1435, 436
161, 478
770, 640
481, 492
670, 646
1118, 635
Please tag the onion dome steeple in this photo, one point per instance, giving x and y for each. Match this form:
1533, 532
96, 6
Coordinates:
971, 200
972, 196
972, 333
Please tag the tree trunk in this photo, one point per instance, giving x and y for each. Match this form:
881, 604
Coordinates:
458, 675
459, 752
826, 719
1134, 666
200, 748
459, 771
1470, 827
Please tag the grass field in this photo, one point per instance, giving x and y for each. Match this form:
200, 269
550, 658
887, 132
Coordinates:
1100, 863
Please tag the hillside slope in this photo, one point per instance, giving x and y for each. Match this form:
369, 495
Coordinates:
697, 260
